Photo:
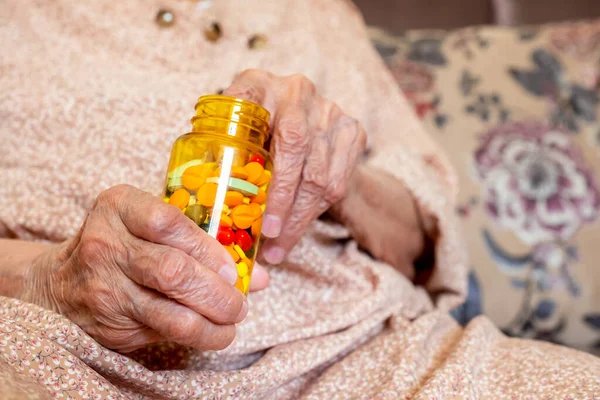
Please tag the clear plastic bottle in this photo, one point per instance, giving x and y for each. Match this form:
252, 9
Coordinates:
219, 175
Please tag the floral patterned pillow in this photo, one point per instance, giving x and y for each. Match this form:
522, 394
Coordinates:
518, 112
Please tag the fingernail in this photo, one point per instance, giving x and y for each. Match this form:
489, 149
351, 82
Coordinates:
229, 273
274, 255
243, 312
271, 226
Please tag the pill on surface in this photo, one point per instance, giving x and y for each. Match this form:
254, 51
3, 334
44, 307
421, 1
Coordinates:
242, 268
246, 188
196, 213
206, 194
243, 216
255, 171
180, 198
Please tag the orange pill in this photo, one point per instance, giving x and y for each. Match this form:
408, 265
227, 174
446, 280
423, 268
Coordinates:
236, 172
233, 198
206, 194
255, 172
260, 198
195, 176
239, 285
239, 172
243, 216
232, 253
264, 178
180, 198
226, 221
256, 209
256, 227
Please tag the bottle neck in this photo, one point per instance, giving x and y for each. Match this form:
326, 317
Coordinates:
229, 116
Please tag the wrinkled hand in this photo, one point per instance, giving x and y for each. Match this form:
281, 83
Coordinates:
315, 147
141, 272
382, 217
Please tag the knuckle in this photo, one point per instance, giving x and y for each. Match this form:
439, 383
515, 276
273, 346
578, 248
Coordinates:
160, 217
183, 328
301, 82
172, 274
112, 195
336, 191
251, 93
94, 248
294, 132
315, 179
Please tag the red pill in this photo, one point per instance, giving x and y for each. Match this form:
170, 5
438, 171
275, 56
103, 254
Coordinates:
243, 239
225, 236
257, 158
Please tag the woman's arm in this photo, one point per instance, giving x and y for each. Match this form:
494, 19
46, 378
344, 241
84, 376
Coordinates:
16, 258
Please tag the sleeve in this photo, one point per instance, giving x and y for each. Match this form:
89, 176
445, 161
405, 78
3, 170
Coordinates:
357, 79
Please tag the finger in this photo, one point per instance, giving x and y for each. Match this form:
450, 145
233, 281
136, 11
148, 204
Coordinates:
128, 340
255, 86
260, 278
179, 276
309, 200
147, 217
289, 149
348, 146
179, 324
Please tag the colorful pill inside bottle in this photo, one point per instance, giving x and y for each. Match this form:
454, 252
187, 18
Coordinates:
219, 176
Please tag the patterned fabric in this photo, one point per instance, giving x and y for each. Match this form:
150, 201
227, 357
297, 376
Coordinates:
93, 93
518, 112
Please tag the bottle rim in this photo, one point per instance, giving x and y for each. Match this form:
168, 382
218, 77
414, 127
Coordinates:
242, 112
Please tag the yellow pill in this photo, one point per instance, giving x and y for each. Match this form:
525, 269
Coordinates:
246, 282
232, 253
225, 209
246, 200
242, 269
239, 250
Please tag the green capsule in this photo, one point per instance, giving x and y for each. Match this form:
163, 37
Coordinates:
196, 213
250, 253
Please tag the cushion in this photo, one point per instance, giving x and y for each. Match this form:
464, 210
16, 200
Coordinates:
518, 112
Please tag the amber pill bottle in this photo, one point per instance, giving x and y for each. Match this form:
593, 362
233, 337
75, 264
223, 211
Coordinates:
219, 175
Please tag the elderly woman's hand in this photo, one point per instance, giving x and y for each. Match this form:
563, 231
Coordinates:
315, 147
140, 272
